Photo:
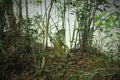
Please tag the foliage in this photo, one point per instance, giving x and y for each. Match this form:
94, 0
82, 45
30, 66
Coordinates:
86, 14
39, 1
87, 75
107, 23
24, 40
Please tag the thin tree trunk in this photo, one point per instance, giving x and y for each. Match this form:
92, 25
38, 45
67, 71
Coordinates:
2, 20
20, 16
63, 20
11, 20
47, 23
27, 30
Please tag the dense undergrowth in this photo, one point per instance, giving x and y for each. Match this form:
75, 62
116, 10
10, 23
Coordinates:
81, 66
88, 29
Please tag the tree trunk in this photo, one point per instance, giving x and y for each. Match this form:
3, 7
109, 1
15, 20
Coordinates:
11, 20
2, 20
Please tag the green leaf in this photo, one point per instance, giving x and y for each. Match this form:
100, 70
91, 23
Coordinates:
111, 18
107, 25
98, 23
39, 1
75, 4
69, 2
97, 17
103, 13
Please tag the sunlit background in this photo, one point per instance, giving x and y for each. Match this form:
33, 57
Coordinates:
101, 36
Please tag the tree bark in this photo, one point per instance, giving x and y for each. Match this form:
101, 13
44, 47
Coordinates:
2, 20
11, 20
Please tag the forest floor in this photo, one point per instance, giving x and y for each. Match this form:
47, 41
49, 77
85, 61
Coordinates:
87, 67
